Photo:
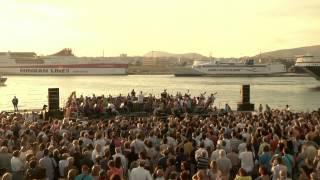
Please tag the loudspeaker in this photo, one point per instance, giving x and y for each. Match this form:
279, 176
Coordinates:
245, 92
137, 107
245, 107
53, 99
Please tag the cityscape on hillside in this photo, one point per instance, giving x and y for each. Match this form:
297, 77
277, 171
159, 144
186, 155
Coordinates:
159, 62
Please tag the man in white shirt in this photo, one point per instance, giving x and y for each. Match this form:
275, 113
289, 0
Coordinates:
208, 143
49, 164
140, 97
17, 166
138, 144
215, 154
140, 173
247, 159
86, 140
242, 146
97, 152
63, 163
224, 164
100, 140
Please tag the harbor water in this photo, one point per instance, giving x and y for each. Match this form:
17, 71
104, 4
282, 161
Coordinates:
301, 93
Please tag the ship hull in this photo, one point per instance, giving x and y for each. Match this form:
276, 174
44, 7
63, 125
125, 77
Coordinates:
229, 75
313, 71
63, 71
61, 63
220, 71
310, 64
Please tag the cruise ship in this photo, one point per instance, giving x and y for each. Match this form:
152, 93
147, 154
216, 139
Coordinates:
218, 68
61, 63
311, 64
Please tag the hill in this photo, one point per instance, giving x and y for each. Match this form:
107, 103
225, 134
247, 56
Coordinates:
291, 53
166, 54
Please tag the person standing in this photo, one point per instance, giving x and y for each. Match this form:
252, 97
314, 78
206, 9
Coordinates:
260, 108
15, 103
224, 164
140, 172
49, 164
140, 97
17, 166
247, 159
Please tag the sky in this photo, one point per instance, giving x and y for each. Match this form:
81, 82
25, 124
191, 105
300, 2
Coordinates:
222, 28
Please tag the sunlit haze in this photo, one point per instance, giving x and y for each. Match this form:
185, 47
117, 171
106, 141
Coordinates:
222, 28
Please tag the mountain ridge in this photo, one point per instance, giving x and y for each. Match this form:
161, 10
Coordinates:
292, 52
288, 53
176, 55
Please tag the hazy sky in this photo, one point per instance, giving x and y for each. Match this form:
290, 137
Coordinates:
222, 27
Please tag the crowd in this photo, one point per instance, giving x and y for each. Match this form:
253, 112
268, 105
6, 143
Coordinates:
178, 104
268, 144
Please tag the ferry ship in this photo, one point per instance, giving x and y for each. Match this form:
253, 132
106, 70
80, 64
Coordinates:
217, 68
61, 63
311, 64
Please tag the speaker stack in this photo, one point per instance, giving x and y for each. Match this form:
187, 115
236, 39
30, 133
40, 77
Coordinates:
53, 99
53, 104
245, 105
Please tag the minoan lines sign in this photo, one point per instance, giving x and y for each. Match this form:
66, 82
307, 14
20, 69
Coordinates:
44, 70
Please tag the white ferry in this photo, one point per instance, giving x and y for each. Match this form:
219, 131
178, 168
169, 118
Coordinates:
311, 64
61, 63
217, 68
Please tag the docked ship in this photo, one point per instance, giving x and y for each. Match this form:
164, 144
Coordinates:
218, 68
310, 64
62, 63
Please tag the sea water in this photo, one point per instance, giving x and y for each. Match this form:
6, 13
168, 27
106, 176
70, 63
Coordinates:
301, 93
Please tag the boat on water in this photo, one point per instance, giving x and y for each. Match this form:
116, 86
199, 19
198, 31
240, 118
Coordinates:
310, 64
62, 63
218, 68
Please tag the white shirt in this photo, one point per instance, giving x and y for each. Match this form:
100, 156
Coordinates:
247, 162
215, 155
140, 173
95, 153
276, 171
62, 165
140, 98
111, 106
208, 143
102, 142
242, 147
86, 141
16, 164
138, 146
